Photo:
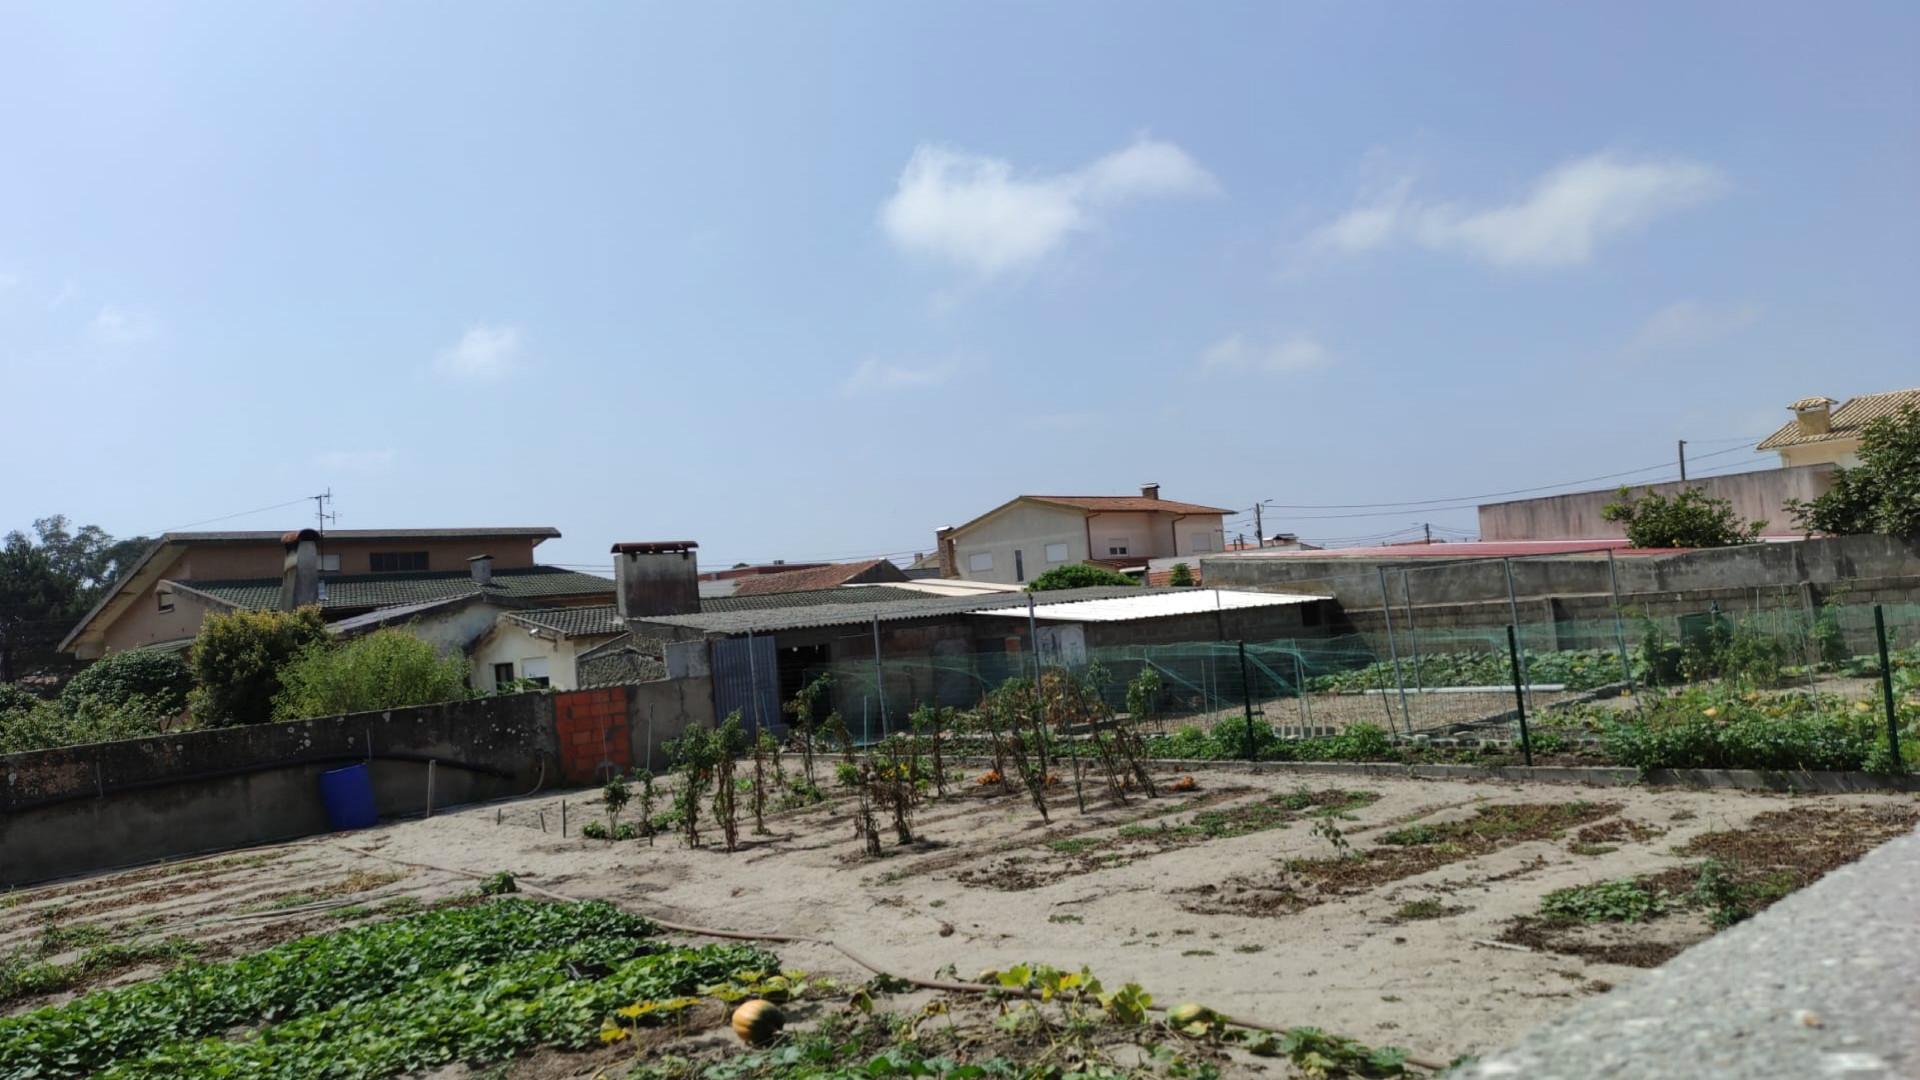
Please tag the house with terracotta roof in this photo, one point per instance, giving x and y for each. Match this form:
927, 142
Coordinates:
1028, 535
828, 576
1819, 433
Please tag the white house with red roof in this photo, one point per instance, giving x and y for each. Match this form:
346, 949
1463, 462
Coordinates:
1028, 535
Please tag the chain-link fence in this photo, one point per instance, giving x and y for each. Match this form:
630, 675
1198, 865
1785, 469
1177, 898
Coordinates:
1568, 663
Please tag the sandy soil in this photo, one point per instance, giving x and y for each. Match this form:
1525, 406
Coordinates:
1122, 905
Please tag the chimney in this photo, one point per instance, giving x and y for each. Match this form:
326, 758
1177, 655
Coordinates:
300, 572
481, 568
943, 546
1149, 491
657, 577
1815, 415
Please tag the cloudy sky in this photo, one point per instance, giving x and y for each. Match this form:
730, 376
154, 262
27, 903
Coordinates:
809, 281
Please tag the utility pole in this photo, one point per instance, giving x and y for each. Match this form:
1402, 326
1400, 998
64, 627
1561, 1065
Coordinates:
320, 514
1259, 530
1428, 526
1683, 460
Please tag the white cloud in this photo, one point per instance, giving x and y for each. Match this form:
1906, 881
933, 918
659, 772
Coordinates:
354, 460
1690, 323
113, 325
973, 211
876, 376
1237, 354
1560, 222
483, 354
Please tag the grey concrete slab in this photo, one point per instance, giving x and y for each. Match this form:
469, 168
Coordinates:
1824, 984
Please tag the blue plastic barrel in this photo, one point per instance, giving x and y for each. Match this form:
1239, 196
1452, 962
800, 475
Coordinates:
348, 796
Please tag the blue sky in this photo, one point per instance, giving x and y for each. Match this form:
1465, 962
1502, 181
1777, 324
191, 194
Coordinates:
809, 281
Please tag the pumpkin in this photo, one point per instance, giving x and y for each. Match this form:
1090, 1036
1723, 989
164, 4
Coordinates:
1191, 1013
758, 1022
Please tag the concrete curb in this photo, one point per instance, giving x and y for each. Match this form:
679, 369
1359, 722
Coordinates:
1830, 783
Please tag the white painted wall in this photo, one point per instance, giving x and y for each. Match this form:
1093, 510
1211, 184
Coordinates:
1028, 528
512, 643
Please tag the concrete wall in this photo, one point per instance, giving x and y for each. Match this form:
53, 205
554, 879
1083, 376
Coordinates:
1860, 569
80, 809
1756, 496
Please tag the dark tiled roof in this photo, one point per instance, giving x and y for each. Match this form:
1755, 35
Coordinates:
820, 577
364, 591
1847, 421
588, 621
921, 607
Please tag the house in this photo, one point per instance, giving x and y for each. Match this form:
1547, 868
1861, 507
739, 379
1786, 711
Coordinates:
1031, 534
722, 582
1821, 434
165, 595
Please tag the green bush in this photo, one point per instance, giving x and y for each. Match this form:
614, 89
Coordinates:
1879, 495
237, 659
1078, 576
1690, 519
158, 680
1717, 729
387, 669
29, 723
1181, 574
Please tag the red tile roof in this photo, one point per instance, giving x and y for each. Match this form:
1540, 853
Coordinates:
1127, 503
820, 577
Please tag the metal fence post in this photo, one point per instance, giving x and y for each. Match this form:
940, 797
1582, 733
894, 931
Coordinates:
1886, 690
1246, 699
1619, 630
1393, 650
1413, 635
879, 677
1513, 622
1519, 697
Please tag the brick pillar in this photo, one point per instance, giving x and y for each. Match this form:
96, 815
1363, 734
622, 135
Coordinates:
591, 728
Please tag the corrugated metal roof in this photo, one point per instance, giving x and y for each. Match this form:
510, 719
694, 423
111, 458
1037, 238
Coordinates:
1847, 421
389, 590
775, 619
1155, 605
597, 619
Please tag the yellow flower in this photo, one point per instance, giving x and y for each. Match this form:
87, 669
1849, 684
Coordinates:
1713, 710
1861, 706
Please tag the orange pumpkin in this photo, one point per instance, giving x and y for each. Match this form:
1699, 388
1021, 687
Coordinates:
758, 1022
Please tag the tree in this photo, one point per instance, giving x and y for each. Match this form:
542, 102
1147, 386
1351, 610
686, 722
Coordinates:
1879, 495
147, 678
47, 583
1078, 576
1690, 519
1181, 574
237, 660
387, 669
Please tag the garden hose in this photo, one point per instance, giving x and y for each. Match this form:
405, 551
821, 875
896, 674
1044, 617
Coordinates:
803, 939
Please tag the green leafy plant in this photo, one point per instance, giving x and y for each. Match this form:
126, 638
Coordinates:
237, 660
1078, 576
144, 678
1689, 519
387, 669
1180, 574
1606, 901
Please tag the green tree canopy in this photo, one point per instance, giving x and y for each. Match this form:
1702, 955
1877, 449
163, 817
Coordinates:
1078, 576
1882, 493
387, 669
47, 582
237, 660
1690, 519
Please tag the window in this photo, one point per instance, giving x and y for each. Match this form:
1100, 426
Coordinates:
1116, 545
165, 597
1202, 543
329, 564
1019, 565
502, 674
980, 563
397, 562
534, 670
1056, 553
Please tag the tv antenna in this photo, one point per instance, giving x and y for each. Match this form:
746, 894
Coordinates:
320, 512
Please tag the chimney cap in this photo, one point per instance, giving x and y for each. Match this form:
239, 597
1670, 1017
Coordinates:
1150, 491
1815, 402
477, 558
654, 547
296, 536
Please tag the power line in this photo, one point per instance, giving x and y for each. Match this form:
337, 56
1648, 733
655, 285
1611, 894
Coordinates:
243, 513
1417, 503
